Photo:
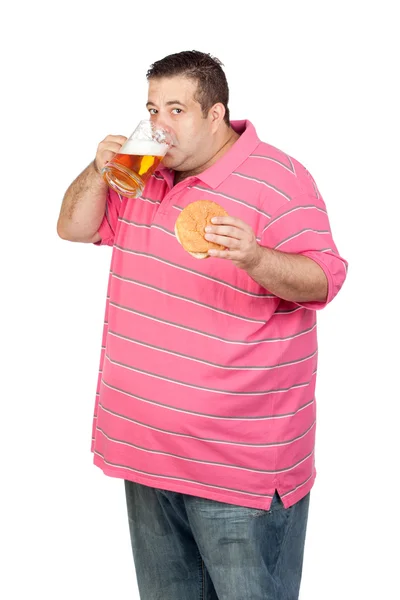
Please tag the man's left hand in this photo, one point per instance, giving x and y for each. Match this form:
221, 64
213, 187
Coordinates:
239, 240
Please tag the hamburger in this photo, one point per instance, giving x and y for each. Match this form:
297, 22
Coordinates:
190, 227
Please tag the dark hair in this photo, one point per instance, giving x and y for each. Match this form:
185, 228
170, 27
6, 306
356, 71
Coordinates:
206, 70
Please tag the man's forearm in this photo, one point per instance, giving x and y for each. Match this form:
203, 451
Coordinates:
83, 206
291, 277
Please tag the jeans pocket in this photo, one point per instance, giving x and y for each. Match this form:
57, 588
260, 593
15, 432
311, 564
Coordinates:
224, 510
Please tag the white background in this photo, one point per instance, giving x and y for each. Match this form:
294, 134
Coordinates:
318, 79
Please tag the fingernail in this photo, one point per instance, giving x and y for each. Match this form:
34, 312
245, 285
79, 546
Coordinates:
208, 229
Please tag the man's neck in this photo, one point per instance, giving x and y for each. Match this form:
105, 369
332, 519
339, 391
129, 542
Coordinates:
223, 147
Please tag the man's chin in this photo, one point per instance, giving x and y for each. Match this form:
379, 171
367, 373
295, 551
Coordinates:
169, 161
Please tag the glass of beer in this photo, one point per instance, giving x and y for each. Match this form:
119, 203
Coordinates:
129, 170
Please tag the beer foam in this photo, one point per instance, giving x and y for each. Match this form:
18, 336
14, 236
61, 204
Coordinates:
144, 148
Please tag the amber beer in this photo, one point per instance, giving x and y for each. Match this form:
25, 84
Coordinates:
129, 170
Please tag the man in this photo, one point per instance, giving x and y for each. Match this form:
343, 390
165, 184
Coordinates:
205, 403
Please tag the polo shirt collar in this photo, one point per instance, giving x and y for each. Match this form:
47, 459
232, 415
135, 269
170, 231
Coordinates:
241, 149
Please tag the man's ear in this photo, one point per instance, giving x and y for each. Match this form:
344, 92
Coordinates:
216, 115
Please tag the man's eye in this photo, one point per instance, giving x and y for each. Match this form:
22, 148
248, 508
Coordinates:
153, 111
177, 111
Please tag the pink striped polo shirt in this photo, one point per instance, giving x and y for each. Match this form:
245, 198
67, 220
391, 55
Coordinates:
207, 380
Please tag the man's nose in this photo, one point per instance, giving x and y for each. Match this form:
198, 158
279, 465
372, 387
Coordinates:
161, 123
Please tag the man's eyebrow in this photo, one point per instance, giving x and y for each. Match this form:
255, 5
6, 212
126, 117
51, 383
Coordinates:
169, 103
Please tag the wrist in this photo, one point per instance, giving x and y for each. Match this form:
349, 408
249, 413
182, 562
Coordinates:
257, 260
96, 168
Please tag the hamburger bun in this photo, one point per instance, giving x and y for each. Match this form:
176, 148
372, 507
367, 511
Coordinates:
190, 227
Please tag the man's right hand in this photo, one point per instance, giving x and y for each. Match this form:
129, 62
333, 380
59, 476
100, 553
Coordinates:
110, 146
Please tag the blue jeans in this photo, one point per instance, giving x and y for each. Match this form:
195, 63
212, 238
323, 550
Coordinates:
190, 548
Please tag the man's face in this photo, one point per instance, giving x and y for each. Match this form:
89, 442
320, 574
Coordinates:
171, 104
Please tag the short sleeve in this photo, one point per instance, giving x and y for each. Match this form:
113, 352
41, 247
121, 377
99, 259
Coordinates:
108, 226
302, 227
